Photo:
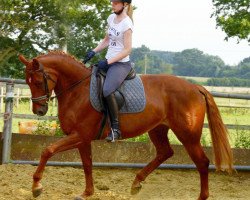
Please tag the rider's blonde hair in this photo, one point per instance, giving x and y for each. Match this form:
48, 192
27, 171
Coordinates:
129, 8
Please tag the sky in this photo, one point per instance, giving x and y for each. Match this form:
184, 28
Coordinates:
176, 25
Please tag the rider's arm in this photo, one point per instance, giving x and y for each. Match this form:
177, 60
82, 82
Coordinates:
102, 45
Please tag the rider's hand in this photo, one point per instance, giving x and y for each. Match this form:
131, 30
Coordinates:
89, 55
103, 64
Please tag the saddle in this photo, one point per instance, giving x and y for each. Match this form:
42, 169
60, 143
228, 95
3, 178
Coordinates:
100, 78
130, 94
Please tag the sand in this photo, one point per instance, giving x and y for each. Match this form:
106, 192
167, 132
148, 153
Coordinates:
65, 183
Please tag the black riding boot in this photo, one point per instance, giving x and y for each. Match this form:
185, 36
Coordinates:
113, 111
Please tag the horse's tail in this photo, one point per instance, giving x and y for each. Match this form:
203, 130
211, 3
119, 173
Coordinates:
219, 134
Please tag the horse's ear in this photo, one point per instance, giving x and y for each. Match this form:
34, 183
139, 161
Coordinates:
35, 64
23, 59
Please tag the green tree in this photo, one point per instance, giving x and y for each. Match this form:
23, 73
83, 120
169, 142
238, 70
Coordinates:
245, 61
155, 62
193, 62
229, 71
36, 26
189, 62
244, 68
233, 16
155, 65
138, 57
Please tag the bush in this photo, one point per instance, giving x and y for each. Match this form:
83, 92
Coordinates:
48, 128
242, 140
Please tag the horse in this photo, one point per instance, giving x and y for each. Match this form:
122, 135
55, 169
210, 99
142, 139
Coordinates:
171, 103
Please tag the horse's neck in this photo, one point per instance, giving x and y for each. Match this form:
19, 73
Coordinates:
68, 70
71, 70
73, 83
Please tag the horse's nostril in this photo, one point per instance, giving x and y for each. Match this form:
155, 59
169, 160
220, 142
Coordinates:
40, 113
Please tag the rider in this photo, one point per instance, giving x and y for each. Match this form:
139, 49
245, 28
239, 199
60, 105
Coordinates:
117, 63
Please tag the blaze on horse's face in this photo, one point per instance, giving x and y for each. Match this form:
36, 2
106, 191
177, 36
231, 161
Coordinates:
37, 84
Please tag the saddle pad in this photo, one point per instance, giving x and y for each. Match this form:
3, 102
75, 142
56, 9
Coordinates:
132, 90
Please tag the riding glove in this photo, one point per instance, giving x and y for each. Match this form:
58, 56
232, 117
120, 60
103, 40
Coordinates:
89, 55
103, 64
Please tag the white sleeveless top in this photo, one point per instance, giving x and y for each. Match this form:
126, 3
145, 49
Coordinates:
116, 36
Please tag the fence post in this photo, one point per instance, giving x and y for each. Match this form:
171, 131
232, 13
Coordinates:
17, 97
1, 99
7, 128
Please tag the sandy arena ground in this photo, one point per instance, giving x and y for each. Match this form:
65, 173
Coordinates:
65, 183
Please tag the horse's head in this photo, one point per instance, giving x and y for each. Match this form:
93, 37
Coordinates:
41, 81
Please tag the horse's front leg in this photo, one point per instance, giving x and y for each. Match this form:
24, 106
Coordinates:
85, 152
69, 142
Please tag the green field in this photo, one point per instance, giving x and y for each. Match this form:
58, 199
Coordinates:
230, 115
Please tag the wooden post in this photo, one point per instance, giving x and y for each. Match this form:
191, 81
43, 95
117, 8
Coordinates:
17, 97
54, 100
1, 107
7, 129
30, 105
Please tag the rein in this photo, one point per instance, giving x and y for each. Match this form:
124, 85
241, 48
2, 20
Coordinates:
71, 87
47, 97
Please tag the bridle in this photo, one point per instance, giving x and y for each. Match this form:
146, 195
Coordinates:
46, 78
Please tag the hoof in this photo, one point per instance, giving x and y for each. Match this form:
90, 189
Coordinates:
136, 189
37, 191
79, 198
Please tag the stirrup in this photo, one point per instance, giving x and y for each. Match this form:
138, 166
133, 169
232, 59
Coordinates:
115, 134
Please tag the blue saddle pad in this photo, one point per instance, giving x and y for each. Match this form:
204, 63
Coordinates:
132, 90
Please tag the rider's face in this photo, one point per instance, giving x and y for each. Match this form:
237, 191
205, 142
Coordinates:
116, 6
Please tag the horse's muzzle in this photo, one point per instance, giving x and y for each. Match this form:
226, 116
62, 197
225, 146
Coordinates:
41, 110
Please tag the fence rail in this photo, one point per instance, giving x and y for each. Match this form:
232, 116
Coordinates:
231, 96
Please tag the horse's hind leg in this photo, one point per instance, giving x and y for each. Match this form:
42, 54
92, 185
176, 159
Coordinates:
201, 161
160, 140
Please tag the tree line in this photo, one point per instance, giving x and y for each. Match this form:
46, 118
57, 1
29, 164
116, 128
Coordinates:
189, 62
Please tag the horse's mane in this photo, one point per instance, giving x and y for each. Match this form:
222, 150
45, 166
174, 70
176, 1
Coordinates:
62, 53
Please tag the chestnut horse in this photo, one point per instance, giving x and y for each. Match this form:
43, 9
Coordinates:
171, 103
